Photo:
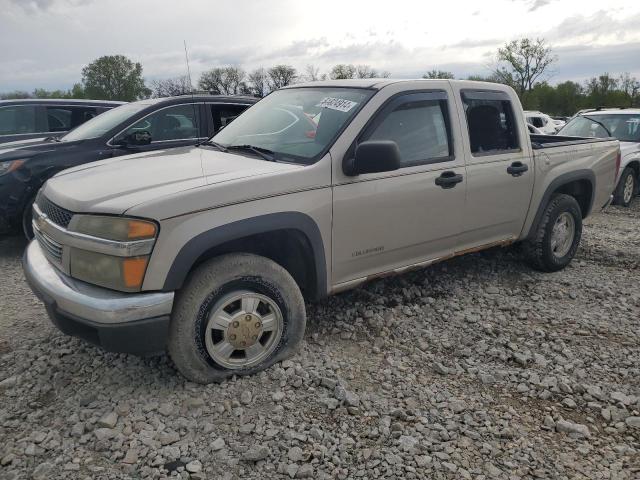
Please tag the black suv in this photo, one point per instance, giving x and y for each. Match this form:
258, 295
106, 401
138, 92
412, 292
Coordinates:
36, 118
155, 124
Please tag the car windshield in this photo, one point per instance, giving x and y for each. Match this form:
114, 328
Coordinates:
295, 125
623, 126
104, 122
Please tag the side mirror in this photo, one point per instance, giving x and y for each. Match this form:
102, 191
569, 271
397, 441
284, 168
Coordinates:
135, 139
373, 156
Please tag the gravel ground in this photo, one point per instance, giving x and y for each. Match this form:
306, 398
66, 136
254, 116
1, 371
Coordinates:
475, 368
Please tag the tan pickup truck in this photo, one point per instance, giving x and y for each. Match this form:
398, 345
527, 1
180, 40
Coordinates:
211, 251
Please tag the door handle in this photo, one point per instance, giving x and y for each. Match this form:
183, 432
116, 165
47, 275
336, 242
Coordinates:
449, 179
517, 168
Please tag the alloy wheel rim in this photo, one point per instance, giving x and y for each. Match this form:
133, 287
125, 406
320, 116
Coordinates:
562, 235
244, 328
629, 185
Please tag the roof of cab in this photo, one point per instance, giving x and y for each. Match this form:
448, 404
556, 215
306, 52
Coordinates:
200, 98
610, 111
68, 101
379, 83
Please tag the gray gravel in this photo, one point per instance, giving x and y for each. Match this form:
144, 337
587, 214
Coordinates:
475, 368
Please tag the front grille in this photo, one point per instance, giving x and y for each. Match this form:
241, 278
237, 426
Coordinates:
52, 249
56, 214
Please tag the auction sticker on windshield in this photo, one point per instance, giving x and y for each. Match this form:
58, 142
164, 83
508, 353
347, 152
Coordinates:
339, 104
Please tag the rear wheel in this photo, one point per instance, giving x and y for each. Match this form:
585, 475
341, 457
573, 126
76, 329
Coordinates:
236, 315
557, 237
626, 189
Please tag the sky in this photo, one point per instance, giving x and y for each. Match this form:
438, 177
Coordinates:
45, 43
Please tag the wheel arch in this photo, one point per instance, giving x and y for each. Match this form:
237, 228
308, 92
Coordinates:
580, 184
291, 239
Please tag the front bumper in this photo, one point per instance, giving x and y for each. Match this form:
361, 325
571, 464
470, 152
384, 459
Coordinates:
119, 322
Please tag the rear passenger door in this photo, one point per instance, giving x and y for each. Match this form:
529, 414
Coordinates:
387, 221
222, 114
500, 173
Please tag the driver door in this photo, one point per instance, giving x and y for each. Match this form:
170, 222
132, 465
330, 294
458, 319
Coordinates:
170, 127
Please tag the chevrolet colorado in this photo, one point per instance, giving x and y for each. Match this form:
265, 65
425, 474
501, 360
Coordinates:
211, 251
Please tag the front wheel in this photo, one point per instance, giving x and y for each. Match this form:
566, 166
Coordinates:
236, 315
554, 243
626, 188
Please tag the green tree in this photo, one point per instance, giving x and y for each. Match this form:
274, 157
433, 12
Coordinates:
521, 63
114, 77
438, 74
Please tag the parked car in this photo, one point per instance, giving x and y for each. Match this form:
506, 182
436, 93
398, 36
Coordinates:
623, 124
316, 189
143, 126
541, 121
27, 119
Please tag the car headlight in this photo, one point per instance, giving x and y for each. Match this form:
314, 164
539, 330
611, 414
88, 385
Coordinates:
9, 166
123, 273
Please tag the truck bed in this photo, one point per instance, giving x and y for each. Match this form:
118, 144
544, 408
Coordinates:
549, 141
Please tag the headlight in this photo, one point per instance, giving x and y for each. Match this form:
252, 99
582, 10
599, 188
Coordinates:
114, 228
10, 166
111, 271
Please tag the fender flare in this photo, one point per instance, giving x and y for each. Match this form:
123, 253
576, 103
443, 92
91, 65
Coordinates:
558, 182
198, 245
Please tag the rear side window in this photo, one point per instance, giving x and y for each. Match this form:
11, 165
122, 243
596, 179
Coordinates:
419, 124
19, 119
491, 123
58, 119
223, 114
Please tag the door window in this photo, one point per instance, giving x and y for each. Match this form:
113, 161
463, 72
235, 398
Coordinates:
179, 122
419, 125
223, 114
58, 119
19, 119
492, 126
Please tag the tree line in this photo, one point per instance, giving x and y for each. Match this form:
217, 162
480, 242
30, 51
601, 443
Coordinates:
523, 64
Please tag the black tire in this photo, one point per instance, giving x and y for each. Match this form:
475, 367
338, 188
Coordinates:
205, 287
27, 216
628, 175
537, 248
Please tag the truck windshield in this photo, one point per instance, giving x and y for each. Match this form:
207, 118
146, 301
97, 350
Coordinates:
625, 127
295, 125
98, 126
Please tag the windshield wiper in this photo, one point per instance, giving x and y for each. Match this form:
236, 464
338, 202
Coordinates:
219, 146
52, 139
599, 123
265, 153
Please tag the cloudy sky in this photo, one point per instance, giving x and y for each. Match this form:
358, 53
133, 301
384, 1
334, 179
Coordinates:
45, 43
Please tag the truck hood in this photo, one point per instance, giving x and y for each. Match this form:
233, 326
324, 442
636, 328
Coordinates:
116, 185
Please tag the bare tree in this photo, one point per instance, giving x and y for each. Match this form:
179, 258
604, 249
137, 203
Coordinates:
630, 86
312, 73
281, 76
365, 71
223, 80
521, 63
440, 74
259, 82
171, 87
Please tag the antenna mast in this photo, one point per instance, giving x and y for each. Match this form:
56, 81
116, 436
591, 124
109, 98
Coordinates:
193, 102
